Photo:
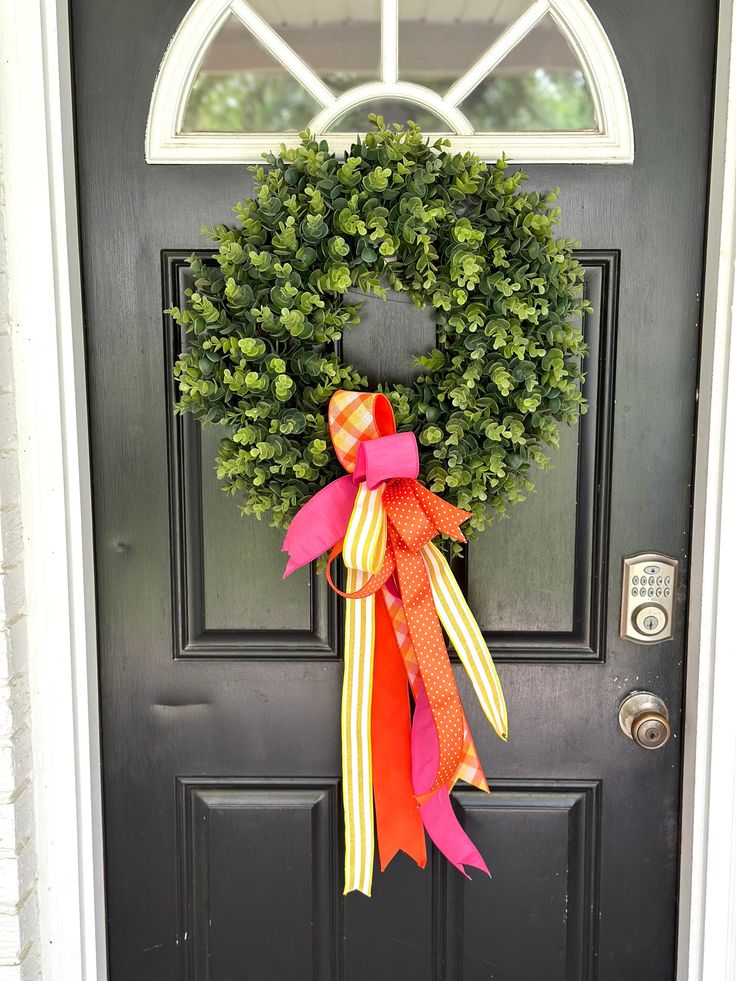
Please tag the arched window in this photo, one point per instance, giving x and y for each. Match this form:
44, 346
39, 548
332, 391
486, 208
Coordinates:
537, 79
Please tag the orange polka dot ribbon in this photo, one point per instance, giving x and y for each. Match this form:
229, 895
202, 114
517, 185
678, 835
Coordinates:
400, 593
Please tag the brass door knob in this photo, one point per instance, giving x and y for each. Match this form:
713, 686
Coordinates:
645, 719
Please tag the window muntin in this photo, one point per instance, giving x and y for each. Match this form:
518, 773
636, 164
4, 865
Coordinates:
340, 40
438, 42
241, 88
538, 86
393, 110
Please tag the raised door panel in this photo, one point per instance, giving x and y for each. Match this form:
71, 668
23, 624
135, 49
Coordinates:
541, 840
258, 872
229, 597
536, 580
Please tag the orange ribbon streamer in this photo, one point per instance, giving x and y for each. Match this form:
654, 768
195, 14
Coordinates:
398, 823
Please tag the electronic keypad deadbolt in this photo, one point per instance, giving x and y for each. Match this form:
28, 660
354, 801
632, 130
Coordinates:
648, 597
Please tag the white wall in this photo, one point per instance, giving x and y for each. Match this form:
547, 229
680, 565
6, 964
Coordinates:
19, 951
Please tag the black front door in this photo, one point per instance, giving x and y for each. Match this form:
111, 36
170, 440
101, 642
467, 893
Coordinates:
220, 685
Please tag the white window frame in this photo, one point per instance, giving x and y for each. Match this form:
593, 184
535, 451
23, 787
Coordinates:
37, 147
165, 141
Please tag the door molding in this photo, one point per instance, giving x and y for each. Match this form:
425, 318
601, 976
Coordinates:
37, 144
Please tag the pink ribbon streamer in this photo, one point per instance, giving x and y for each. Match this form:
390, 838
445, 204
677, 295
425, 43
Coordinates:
320, 523
438, 817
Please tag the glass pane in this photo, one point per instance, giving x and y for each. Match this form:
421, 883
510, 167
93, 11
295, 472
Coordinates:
340, 40
393, 111
439, 41
538, 86
240, 88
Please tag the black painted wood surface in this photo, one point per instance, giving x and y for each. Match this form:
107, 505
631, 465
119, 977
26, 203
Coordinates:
220, 685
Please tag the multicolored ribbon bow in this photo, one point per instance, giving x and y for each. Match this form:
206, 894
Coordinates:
400, 593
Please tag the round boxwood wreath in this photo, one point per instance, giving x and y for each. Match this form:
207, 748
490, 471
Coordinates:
396, 212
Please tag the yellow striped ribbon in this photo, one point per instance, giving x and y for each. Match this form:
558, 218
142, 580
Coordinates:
363, 551
357, 778
365, 538
466, 638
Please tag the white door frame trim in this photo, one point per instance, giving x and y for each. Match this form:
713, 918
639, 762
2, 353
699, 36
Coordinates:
45, 302
37, 146
707, 928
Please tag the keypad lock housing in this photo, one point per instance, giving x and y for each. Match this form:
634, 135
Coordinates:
648, 597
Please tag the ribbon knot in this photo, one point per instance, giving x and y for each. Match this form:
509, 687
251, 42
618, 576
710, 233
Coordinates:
400, 592
385, 458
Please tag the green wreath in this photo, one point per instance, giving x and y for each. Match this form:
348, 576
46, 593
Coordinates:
453, 232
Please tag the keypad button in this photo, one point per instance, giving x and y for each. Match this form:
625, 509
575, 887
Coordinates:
667, 580
659, 580
659, 592
634, 591
651, 590
635, 581
666, 592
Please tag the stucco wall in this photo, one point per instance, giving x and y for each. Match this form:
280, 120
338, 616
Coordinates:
19, 953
